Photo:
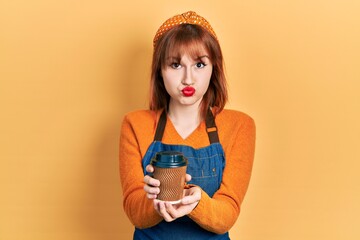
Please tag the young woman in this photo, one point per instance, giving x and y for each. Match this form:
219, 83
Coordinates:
187, 98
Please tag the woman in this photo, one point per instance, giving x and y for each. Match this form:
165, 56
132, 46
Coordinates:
187, 98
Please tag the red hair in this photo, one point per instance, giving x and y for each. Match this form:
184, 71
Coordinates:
190, 39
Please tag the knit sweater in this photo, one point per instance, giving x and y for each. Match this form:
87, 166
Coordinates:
217, 214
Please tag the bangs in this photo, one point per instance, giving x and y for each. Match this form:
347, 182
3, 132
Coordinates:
187, 40
195, 49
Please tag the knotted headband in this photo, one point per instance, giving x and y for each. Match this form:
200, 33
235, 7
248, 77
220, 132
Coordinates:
189, 17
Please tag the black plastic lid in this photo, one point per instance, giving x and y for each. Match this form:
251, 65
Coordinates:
168, 159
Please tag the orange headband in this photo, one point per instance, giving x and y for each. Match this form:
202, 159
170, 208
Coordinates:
189, 18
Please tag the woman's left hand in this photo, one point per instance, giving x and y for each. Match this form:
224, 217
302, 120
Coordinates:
171, 212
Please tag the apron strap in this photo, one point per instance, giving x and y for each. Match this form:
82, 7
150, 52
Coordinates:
160, 127
211, 128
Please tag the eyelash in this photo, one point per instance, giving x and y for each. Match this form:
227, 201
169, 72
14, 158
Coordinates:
176, 65
203, 64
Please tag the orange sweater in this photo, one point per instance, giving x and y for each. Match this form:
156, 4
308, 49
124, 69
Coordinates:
217, 214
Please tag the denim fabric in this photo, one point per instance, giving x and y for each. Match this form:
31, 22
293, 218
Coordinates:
205, 165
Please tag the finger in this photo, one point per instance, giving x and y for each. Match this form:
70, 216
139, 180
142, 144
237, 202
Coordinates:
151, 189
193, 195
188, 200
149, 168
151, 181
151, 196
156, 206
164, 213
188, 178
173, 213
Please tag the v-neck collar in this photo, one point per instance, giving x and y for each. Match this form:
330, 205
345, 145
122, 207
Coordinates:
191, 137
207, 126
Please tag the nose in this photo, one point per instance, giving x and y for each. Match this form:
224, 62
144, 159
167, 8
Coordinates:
188, 77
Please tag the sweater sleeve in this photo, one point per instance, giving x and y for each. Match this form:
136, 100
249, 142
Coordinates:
219, 213
137, 206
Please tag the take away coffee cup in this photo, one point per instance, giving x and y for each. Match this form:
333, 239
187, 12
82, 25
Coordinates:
170, 170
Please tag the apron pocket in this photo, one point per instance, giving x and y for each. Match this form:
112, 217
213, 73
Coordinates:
206, 178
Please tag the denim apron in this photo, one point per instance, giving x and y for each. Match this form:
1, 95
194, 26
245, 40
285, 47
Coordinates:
205, 165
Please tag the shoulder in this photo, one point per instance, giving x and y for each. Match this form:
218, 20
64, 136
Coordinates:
234, 117
233, 122
140, 116
141, 120
235, 127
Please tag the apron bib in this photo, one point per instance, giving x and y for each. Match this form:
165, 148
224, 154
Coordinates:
205, 165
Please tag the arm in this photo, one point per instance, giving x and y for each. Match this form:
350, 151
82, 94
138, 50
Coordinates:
137, 206
218, 214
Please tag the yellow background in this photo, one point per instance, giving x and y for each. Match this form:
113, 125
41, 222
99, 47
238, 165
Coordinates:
70, 70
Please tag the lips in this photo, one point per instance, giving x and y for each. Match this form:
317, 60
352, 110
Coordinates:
188, 91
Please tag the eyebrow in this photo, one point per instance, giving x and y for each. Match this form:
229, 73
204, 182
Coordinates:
172, 59
178, 59
200, 57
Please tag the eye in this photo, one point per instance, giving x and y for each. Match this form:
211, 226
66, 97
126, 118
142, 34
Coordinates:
200, 65
175, 65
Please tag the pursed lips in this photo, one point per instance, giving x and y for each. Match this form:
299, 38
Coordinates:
188, 91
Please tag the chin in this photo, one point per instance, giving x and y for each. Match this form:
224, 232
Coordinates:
190, 102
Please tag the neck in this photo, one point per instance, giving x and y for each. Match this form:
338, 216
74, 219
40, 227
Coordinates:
184, 115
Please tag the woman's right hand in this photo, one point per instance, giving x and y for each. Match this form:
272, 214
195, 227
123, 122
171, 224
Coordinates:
151, 184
